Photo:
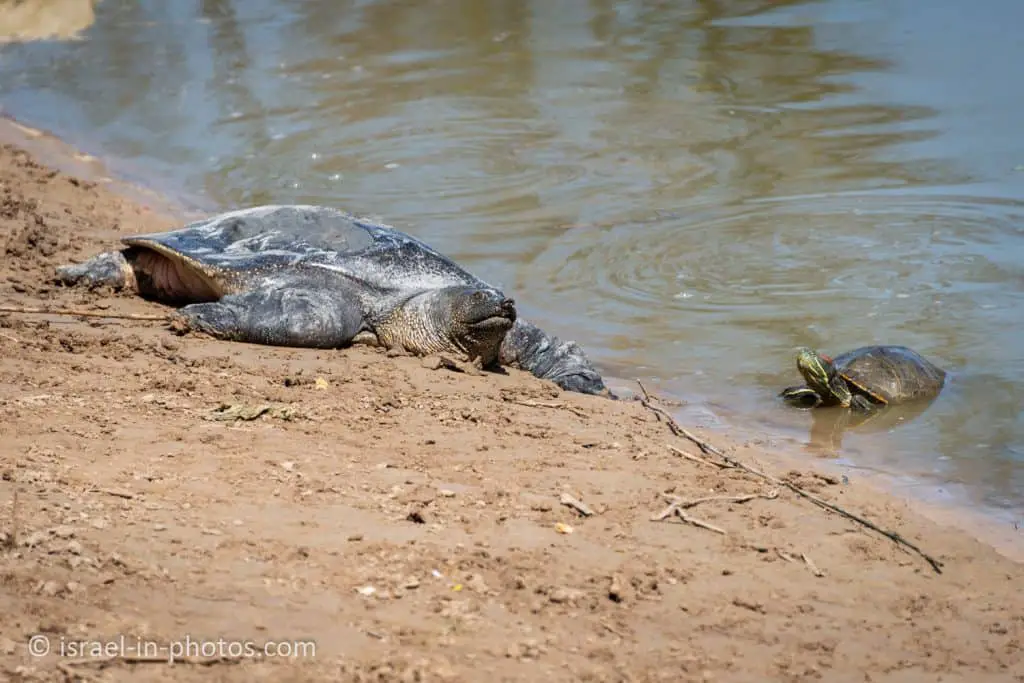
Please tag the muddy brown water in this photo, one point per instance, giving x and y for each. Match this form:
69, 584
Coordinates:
689, 189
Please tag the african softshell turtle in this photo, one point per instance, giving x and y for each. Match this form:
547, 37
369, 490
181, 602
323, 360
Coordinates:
865, 378
319, 277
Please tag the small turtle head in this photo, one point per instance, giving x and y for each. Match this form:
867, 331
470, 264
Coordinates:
819, 371
474, 319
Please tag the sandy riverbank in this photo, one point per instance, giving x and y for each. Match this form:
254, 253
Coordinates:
409, 521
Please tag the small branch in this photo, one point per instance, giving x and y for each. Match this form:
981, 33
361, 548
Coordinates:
733, 462
674, 509
673, 425
577, 505
746, 498
696, 458
698, 522
85, 314
677, 506
891, 535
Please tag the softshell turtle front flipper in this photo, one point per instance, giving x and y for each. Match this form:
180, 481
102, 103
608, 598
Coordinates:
279, 316
459, 319
529, 348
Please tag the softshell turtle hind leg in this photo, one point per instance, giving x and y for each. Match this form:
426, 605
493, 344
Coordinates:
279, 316
109, 269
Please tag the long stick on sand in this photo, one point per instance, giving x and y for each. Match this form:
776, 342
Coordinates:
85, 314
707, 448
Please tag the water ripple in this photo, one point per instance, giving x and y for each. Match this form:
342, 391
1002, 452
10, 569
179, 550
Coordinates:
799, 257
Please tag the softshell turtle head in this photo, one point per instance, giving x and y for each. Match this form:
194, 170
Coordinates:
458, 319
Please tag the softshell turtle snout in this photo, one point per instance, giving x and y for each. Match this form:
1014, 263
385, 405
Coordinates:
508, 308
488, 306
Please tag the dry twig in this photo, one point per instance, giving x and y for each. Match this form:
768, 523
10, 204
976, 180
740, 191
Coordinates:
810, 565
577, 505
747, 604
117, 493
677, 506
678, 512
645, 401
696, 458
708, 448
745, 498
156, 317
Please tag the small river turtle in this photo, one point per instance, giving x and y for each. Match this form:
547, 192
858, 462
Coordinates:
318, 277
864, 379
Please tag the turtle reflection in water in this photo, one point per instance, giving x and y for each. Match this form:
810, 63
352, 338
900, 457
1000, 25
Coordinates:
865, 383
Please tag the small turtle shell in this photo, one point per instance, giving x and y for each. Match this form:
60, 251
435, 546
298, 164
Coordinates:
890, 374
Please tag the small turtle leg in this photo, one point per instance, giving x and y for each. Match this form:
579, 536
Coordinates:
109, 269
531, 349
861, 404
279, 317
801, 396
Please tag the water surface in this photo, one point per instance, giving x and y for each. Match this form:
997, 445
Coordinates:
689, 189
